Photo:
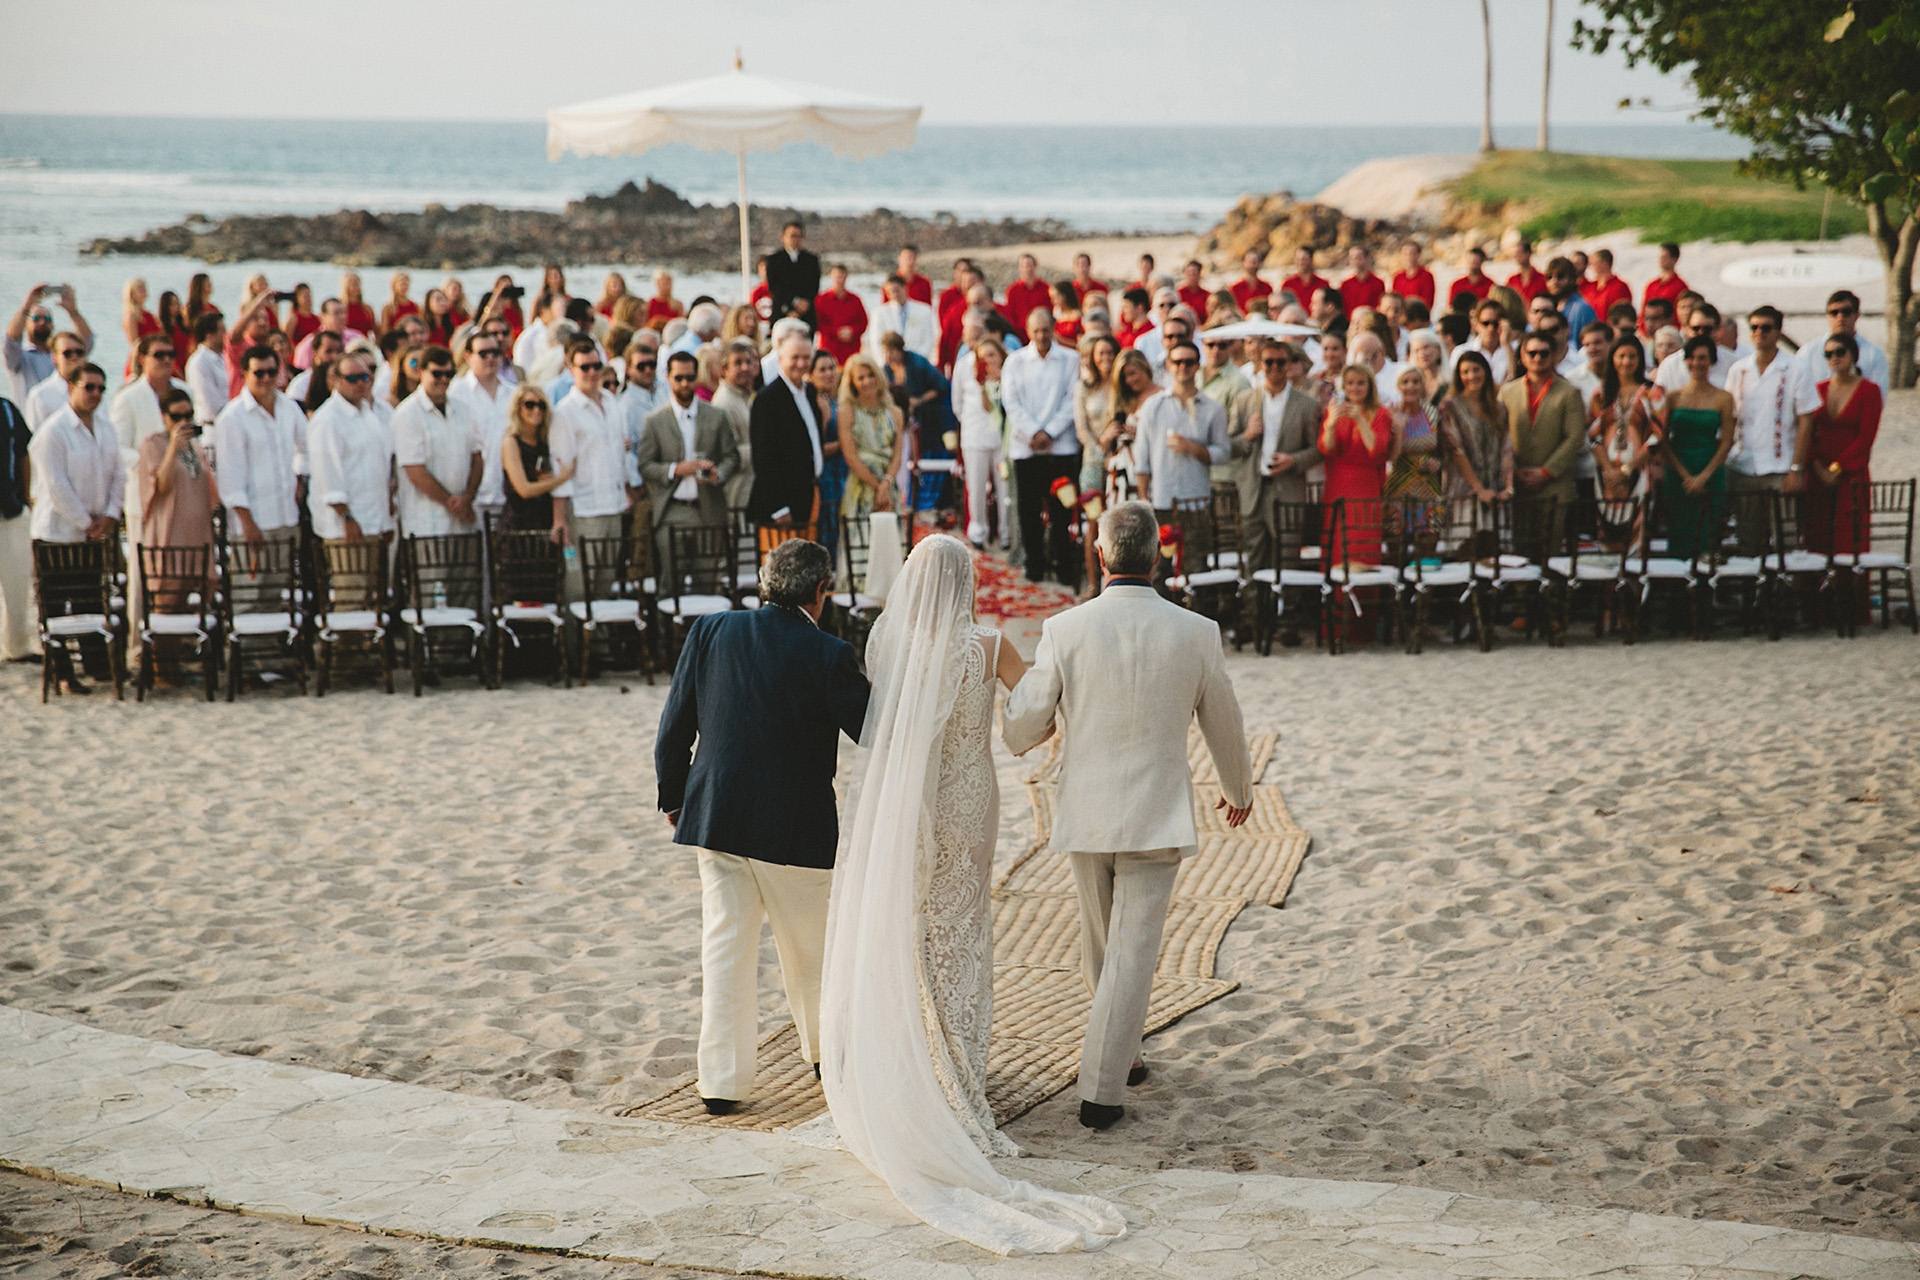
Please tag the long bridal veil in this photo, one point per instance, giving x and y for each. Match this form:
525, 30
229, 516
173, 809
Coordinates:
876, 1062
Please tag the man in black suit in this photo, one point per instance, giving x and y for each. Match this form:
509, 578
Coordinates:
767, 693
783, 428
793, 275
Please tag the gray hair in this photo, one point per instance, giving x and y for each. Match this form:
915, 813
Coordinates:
676, 329
795, 572
789, 325
801, 335
1129, 539
1424, 338
705, 319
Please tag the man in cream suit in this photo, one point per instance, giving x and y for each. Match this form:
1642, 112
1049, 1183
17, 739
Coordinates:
1275, 430
1127, 672
687, 455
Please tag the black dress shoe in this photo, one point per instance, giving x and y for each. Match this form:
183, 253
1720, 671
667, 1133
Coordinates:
719, 1106
816, 1071
1137, 1073
77, 687
1095, 1116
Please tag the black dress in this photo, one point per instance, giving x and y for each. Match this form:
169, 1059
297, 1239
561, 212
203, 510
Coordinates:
531, 514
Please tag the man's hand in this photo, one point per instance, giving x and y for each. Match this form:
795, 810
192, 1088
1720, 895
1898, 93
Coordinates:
1192, 448
1795, 482
691, 467
460, 506
35, 294
248, 529
1279, 463
67, 301
673, 819
783, 522
352, 531
1235, 817
1040, 442
1532, 477
101, 527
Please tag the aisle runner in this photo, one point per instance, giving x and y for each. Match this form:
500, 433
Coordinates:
1040, 1002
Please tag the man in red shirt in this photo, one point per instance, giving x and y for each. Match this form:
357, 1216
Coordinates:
952, 312
1131, 319
1083, 281
955, 294
1361, 288
1476, 284
919, 288
1026, 292
841, 315
1146, 274
1192, 292
1249, 286
1525, 281
1606, 290
1413, 280
1304, 280
1667, 286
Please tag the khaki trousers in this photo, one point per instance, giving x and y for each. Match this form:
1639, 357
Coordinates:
19, 623
736, 894
1123, 909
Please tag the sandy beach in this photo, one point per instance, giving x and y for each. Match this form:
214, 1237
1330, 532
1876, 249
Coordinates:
1601, 926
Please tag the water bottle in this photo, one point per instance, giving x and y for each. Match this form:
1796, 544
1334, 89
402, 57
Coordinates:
440, 595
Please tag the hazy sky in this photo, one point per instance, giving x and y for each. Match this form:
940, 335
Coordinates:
966, 61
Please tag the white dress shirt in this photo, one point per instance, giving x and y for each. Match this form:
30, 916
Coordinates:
77, 475
813, 426
350, 451
1672, 373
913, 321
1177, 477
531, 342
443, 440
1497, 359
1037, 394
136, 415
258, 458
592, 435
1153, 346
688, 490
489, 413
207, 382
46, 398
1872, 362
1273, 409
1766, 409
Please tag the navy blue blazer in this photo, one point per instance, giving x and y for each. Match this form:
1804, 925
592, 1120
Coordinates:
768, 694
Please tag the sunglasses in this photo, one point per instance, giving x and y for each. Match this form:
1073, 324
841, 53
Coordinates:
685, 377
439, 373
1762, 328
531, 407
356, 378
1184, 362
94, 388
161, 353
181, 417
1834, 353
486, 353
1841, 311
1279, 363
269, 371
1536, 353
40, 317
644, 364
590, 366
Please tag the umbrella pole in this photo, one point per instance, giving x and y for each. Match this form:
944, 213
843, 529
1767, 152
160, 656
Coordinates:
746, 247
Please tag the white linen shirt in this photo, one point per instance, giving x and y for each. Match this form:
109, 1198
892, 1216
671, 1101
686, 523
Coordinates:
593, 437
1766, 408
688, 490
44, 399
1037, 393
637, 402
913, 321
350, 450
1498, 360
489, 414
1872, 362
1672, 373
1177, 477
258, 458
444, 442
77, 475
207, 383
1272, 410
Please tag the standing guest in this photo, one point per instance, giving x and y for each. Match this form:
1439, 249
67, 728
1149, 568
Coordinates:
137, 411
1428, 353
350, 452
1667, 341
311, 386
301, 321
952, 311
1367, 349
488, 398
1356, 436
360, 316
922, 394
793, 275
1131, 386
79, 481
1146, 281
1474, 435
1415, 457
1333, 358
907, 267
733, 395
1221, 380
51, 394
842, 316
1135, 318
589, 437
29, 358
1182, 436
1305, 281
1065, 305
1275, 436
1843, 434
1525, 281
1083, 279
1701, 322
983, 424
1605, 290
662, 306
1036, 387
553, 279
1843, 317
332, 319
645, 387
1026, 292
1475, 284
954, 296
872, 435
1627, 412
199, 297
283, 349
897, 313
1548, 422
260, 449
1703, 423
1624, 320
457, 309
250, 329
687, 455
1361, 288
1586, 369
399, 305
403, 369
786, 442
1326, 312
17, 639
1093, 412
1393, 311
207, 367
173, 324
1153, 343
136, 322
1667, 286
1250, 286
823, 375
1563, 286
1490, 342
1774, 400
526, 461
1192, 293
175, 482
612, 289
1413, 280
436, 309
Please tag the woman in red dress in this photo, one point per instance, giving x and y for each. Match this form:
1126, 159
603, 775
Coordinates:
437, 310
612, 290
399, 305
135, 319
1843, 434
173, 323
663, 307
1355, 437
301, 321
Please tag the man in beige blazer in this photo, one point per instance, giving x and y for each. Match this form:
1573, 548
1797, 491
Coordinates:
687, 455
1126, 673
1276, 431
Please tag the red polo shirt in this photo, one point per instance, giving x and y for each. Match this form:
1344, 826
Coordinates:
1023, 296
1196, 297
1418, 285
1302, 287
1529, 284
1362, 291
1475, 289
920, 289
1601, 297
1127, 333
1245, 291
1087, 286
835, 312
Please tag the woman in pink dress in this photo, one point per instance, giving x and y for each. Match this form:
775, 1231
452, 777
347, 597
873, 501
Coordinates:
1355, 438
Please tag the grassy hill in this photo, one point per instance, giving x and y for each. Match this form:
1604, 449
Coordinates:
1571, 195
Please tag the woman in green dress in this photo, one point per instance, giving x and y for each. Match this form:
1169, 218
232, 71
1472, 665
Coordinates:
871, 433
1699, 435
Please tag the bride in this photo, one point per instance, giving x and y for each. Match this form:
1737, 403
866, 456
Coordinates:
906, 990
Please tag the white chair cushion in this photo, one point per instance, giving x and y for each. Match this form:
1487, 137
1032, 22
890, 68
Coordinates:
531, 613
1805, 562
263, 624
1520, 572
1739, 567
445, 616
856, 602
1302, 578
1205, 578
176, 624
1363, 576
1594, 569
1228, 559
695, 606
1664, 567
1879, 560
351, 620
607, 610
77, 624
1454, 573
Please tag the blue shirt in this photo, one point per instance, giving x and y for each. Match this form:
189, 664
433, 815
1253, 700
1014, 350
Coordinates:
1579, 315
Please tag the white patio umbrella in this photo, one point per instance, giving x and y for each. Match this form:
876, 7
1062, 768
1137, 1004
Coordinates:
737, 113
1257, 329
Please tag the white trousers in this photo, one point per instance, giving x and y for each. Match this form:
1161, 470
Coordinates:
19, 623
736, 895
983, 479
1123, 909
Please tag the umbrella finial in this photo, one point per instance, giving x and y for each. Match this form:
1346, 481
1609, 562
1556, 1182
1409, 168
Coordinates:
738, 65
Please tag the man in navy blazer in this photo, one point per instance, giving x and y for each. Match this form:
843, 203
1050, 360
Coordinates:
768, 694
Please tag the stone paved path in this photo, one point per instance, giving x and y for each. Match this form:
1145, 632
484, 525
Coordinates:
285, 1142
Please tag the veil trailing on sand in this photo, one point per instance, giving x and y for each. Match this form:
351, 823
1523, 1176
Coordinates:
876, 1065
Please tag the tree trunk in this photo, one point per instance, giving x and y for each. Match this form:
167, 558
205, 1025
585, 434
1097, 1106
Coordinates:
1897, 244
1486, 91
1546, 78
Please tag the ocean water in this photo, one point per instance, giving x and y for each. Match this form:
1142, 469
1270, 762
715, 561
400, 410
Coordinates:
67, 179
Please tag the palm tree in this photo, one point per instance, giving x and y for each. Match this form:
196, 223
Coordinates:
1546, 79
1486, 93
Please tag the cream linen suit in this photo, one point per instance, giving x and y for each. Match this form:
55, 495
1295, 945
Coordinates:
1127, 672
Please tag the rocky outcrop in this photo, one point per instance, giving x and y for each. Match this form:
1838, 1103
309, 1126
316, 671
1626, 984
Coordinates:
652, 224
1278, 224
